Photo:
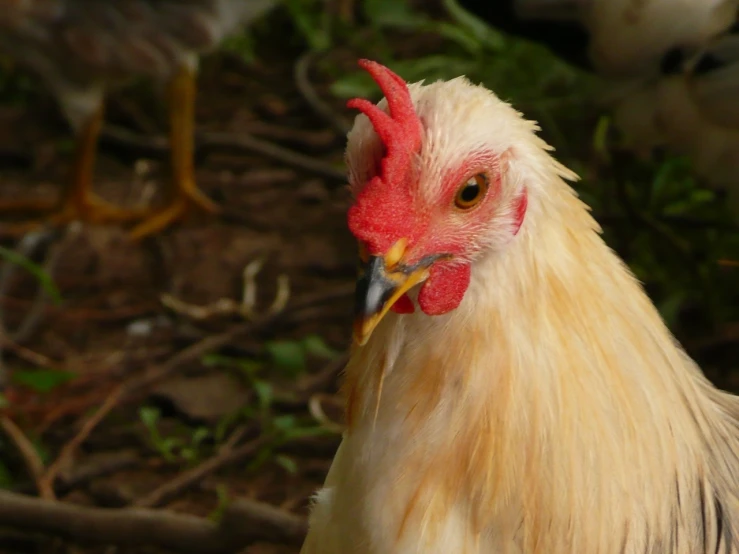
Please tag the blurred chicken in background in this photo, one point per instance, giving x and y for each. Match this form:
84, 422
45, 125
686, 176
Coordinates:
79, 48
671, 66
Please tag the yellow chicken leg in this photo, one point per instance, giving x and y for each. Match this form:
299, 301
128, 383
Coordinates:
186, 194
79, 201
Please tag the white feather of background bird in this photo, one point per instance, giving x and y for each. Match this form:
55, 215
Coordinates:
671, 72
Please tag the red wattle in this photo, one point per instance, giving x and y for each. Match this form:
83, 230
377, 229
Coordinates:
403, 305
445, 288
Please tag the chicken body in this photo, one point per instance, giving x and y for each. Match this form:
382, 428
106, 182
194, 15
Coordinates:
547, 409
79, 48
671, 68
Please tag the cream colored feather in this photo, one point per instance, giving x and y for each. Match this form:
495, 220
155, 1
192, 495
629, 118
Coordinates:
551, 413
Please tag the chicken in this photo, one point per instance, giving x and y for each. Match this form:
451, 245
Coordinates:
511, 388
80, 47
671, 67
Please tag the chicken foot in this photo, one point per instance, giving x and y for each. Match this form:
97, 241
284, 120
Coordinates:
186, 194
79, 201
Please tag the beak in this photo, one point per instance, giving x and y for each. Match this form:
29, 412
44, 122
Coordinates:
383, 280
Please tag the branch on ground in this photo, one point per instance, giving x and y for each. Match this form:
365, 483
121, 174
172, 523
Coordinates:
244, 522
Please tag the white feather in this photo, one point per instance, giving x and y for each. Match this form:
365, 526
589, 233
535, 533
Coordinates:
552, 412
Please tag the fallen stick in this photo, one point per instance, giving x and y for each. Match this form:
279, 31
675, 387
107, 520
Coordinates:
187, 479
243, 523
162, 371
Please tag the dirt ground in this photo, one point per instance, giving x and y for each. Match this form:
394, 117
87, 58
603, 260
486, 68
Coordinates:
112, 328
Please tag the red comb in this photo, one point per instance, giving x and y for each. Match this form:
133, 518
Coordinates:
380, 215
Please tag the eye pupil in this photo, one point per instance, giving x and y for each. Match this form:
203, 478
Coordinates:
472, 192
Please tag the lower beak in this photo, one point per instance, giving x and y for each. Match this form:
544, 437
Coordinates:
378, 288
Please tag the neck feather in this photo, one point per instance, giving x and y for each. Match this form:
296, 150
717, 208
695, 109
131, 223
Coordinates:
555, 392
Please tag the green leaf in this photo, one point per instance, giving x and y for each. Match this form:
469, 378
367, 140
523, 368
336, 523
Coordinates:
215, 360
354, 85
265, 394
260, 458
670, 308
247, 366
312, 22
661, 183
428, 69
199, 436
481, 30
44, 279
149, 416
189, 454
243, 45
316, 346
287, 463
678, 208
287, 355
223, 500
41, 380
432, 68
167, 447
393, 13
458, 35
671, 181
306, 432
284, 422
600, 138
41, 450
702, 196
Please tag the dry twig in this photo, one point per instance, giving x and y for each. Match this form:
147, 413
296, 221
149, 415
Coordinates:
26, 247
243, 523
300, 73
317, 139
69, 449
115, 462
226, 306
228, 455
159, 147
244, 141
30, 456
274, 525
191, 353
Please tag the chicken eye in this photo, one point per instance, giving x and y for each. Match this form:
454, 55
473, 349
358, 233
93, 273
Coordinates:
472, 192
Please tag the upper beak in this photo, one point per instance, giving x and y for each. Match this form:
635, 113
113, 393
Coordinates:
383, 280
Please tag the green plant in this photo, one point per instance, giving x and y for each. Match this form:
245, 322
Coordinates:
174, 449
44, 279
283, 358
41, 380
313, 22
